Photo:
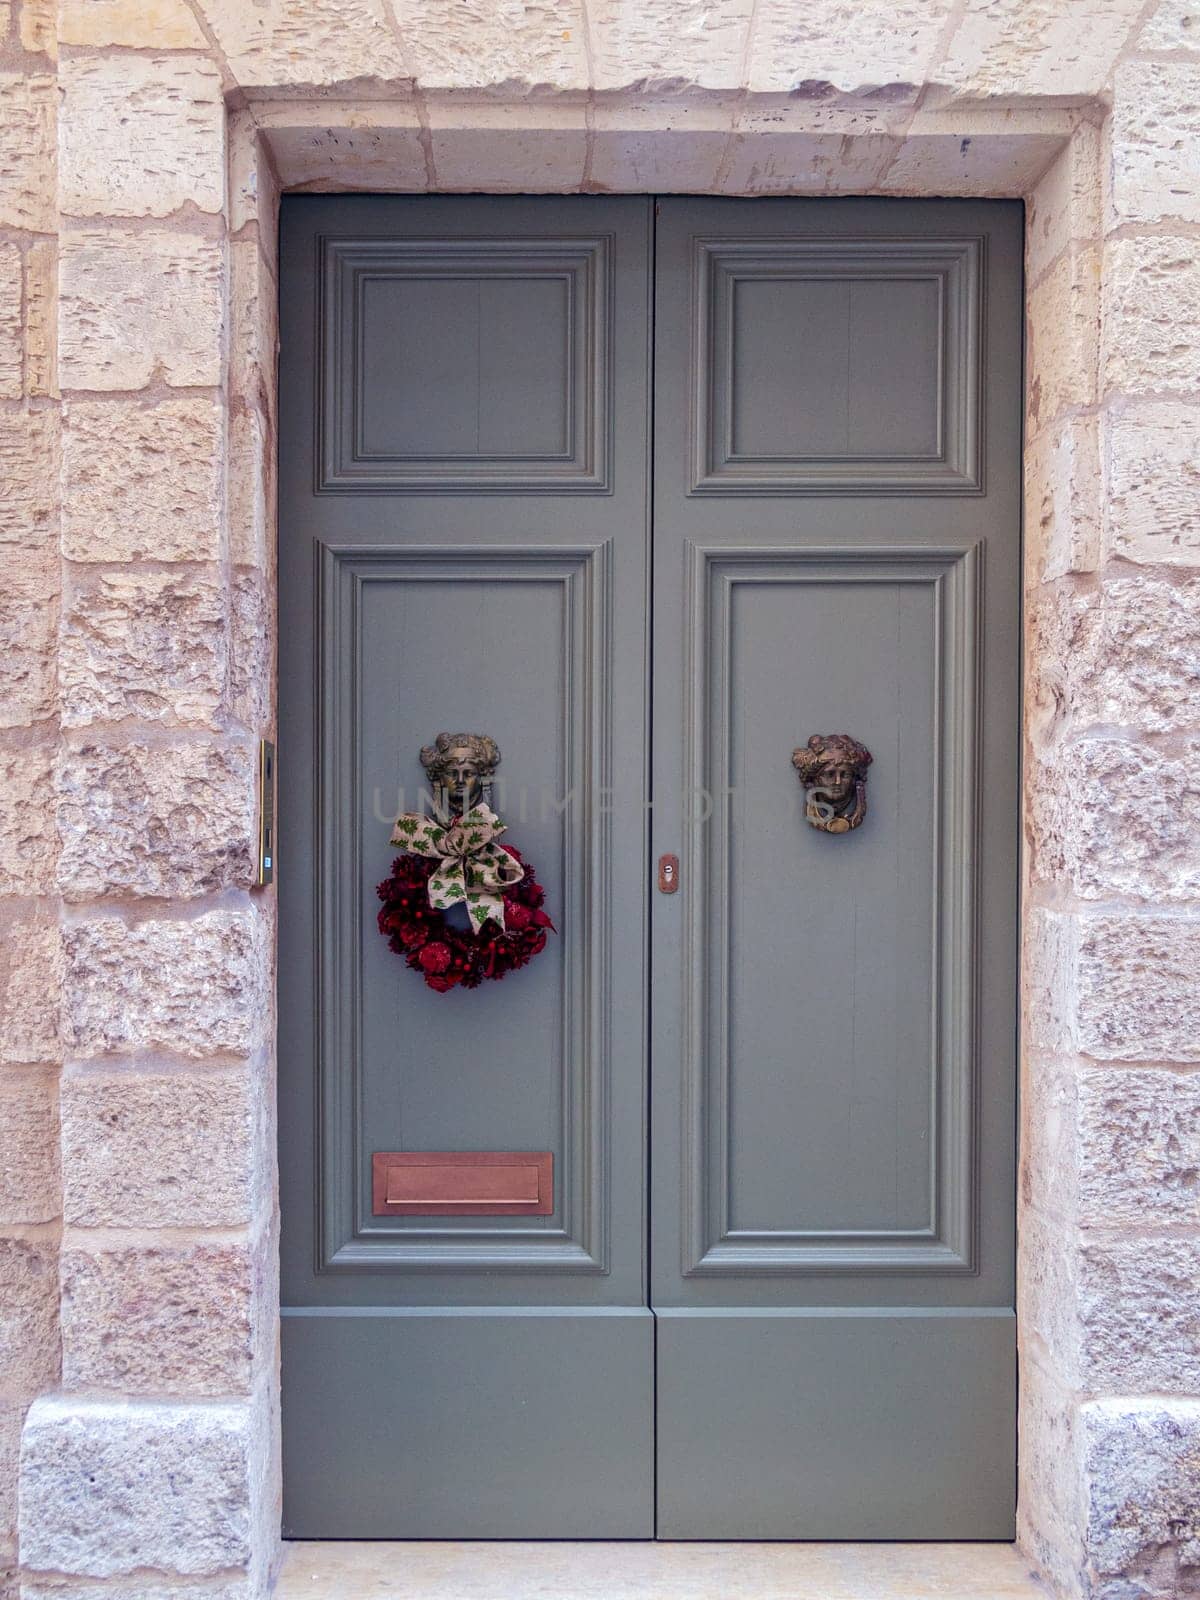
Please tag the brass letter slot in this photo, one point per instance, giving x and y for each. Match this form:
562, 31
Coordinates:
454, 1183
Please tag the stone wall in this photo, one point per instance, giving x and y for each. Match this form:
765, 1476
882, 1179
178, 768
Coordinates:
141, 144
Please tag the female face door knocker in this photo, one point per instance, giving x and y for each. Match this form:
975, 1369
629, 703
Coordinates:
832, 767
460, 766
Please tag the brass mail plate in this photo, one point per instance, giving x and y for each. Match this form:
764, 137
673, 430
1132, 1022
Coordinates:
458, 1183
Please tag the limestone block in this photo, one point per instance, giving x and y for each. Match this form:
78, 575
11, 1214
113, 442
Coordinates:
1155, 143
1049, 1142
507, 148
30, 1188
39, 32
139, 24
1138, 995
157, 1151
992, 163
320, 42
479, 44
1125, 655
254, 326
166, 1319
110, 1487
852, 44
31, 969
1049, 955
29, 1350
251, 487
156, 821
53, 1586
138, 306
12, 1415
140, 135
251, 664
1116, 818
1172, 25
1139, 1147
149, 645
759, 162
1050, 1506
1048, 1293
27, 152
28, 477
1063, 318
41, 319
1151, 314
197, 988
374, 153
1141, 1461
1063, 493
677, 146
28, 846
1023, 48
665, 42
1139, 1317
1153, 501
1063, 208
12, 330
142, 482
28, 638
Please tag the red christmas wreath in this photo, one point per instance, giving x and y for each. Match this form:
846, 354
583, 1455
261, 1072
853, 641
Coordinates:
447, 956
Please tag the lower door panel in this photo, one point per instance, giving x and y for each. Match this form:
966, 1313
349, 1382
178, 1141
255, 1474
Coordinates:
470, 1424
820, 1424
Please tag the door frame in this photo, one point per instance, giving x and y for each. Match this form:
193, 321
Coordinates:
302, 145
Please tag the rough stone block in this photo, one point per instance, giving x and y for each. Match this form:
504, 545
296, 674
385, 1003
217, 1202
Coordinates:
502, 148
29, 1348
27, 152
139, 305
1155, 140
1172, 25
1124, 655
846, 43
1151, 314
142, 482
31, 970
140, 135
1141, 1464
1139, 1147
1063, 493
660, 40
28, 477
139, 24
451, 45
1015, 48
148, 645
30, 1187
112, 1487
1063, 208
41, 319
250, 665
164, 1150
28, 846
321, 42
1139, 1317
1063, 320
1117, 818
156, 821
39, 33
165, 1319
29, 637
1153, 502
1138, 993
12, 328
197, 988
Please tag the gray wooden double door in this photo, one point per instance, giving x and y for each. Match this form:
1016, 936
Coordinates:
651, 492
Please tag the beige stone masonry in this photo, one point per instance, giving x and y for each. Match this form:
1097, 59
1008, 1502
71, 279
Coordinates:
143, 144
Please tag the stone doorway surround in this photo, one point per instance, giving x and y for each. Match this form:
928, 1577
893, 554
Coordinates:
143, 146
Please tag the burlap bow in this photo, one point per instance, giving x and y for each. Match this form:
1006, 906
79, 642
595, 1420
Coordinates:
472, 868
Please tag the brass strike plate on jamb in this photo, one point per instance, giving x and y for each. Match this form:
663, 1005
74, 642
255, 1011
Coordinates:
266, 812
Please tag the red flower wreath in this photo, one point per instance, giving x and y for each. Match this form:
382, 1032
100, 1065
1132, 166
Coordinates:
447, 956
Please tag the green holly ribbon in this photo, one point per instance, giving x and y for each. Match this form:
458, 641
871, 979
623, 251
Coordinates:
472, 870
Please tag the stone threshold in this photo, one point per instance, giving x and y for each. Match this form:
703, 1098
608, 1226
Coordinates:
604, 1570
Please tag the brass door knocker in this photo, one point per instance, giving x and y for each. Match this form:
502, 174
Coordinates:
460, 766
832, 767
